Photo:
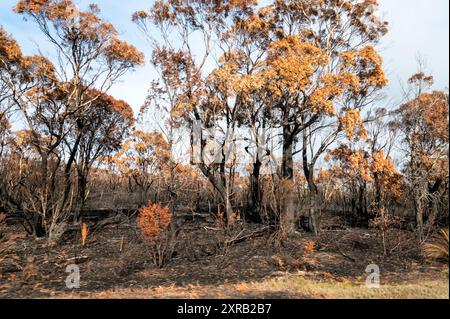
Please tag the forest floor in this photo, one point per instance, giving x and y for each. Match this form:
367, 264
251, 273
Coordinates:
115, 263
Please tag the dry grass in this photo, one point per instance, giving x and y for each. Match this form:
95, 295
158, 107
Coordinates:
295, 286
349, 290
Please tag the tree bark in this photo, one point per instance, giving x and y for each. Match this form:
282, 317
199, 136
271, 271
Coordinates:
288, 160
255, 193
418, 212
362, 210
308, 170
288, 219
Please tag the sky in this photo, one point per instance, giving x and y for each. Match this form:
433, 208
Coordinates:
417, 28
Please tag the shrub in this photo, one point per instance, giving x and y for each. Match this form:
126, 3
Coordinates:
154, 221
438, 249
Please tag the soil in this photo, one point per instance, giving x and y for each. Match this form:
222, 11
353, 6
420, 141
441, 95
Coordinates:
115, 257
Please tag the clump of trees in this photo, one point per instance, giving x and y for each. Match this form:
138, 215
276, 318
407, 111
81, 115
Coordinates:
291, 88
69, 120
299, 68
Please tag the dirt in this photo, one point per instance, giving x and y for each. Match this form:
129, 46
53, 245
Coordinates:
115, 258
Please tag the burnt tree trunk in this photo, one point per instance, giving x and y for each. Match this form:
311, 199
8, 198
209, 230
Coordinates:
288, 218
362, 211
255, 193
288, 158
308, 170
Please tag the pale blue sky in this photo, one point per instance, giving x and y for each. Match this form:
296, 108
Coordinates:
416, 27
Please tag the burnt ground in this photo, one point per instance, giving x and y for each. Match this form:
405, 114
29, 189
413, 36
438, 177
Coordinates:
115, 258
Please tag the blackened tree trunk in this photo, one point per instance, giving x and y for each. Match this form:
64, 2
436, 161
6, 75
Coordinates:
308, 170
362, 211
418, 189
255, 193
313, 196
288, 158
433, 203
288, 218
82, 180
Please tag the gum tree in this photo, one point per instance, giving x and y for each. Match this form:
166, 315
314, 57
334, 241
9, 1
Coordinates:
186, 87
423, 121
89, 55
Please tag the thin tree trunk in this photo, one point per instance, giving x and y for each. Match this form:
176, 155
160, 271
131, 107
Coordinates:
288, 160
419, 213
288, 219
255, 193
308, 170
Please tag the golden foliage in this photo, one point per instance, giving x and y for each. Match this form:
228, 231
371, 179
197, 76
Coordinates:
322, 102
102, 101
359, 164
152, 220
9, 49
387, 174
375, 167
76, 29
39, 67
256, 25
382, 164
291, 64
431, 110
174, 11
365, 63
61, 13
22, 137
34, 6
354, 163
142, 153
425, 121
230, 81
139, 16
122, 52
366, 167
352, 124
